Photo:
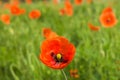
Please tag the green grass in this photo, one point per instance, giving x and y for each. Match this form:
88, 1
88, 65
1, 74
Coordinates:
96, 51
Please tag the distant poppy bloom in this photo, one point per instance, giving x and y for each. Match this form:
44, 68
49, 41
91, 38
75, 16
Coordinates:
34, 14
56, 51
69, 12
48, 34
78, 2
74, 73
62, 11
55, 1
68, 4
92, 27
15, 10
108, 18
5, 18
68, 8
7, 5
89, 1
28, 1
15, 2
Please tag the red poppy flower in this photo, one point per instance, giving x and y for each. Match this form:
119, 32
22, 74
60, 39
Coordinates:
92, 27
68, 4
35, 14
68, 8
28, 1
108, 18
15, 2
56, 52
78, 2
55, 1
5, 18
7, 5
15, 10
74, 73
48, 34
62, 11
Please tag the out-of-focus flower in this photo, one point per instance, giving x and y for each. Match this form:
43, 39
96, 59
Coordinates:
34, 14
92, 27
108, 18
5, 19
68, 8
15, 2
28, 1
15, 10
56, 51
48, 34
55, 1
78, 2
62, 11
74, 73
6, 6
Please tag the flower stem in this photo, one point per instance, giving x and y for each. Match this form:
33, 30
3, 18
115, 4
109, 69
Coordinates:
64, 74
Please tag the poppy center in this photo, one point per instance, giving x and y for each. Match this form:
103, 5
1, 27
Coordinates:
58, 56
108, 20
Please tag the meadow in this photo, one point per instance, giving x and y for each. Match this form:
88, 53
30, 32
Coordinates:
97, 54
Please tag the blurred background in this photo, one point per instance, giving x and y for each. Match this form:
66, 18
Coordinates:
97, 50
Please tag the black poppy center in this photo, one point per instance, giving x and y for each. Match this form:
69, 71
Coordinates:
108, 20
58, 57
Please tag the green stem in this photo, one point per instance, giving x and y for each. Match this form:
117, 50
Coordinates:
64, 74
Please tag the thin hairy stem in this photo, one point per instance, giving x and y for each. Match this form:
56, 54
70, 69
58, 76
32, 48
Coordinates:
64, 74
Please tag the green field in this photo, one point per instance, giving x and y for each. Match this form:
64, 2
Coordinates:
97, 52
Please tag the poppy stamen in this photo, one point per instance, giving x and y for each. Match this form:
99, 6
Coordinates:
59, 56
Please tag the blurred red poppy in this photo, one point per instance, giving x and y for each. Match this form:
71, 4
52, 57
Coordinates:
92, 27
108, 18
55, 1
5, 18
6, 6
34, 14
62, 11
48, 34
15, 2
68, 8
74, 73
28, 1
78, 2
15, 10
56, 52
68, 4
